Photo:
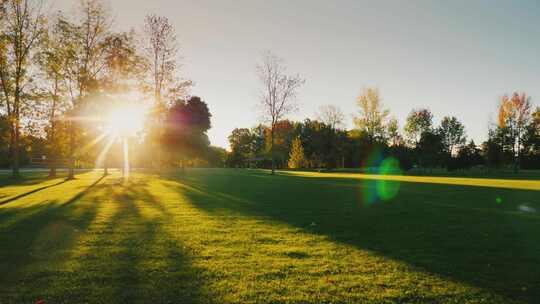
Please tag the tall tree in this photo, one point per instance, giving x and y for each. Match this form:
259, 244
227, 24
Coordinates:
52, 58
160, 49
531, 143
84, 41
452, 133
278, 93
21, 24
331, 115
418, 122
514, 116
373, 117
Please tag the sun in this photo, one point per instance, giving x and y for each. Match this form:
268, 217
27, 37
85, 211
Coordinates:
126, 121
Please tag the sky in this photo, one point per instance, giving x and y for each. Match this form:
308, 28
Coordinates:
456, 58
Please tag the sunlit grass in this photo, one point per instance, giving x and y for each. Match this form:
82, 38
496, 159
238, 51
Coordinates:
218, 236
480, 182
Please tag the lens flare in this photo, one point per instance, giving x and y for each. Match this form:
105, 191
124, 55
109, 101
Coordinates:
379, 189
386, 189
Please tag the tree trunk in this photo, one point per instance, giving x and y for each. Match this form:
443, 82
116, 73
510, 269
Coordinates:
518, 153
71, 170
52, 155
272, 150
15, 150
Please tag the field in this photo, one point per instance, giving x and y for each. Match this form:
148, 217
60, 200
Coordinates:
244, 236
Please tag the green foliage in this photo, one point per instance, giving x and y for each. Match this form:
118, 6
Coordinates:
452, 133
418, 122
186, 125
430, 150
297, 159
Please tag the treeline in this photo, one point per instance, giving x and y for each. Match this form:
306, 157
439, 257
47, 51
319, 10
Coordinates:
62, 74
513, 141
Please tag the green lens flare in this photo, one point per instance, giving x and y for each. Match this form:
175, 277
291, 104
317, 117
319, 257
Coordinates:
375, 190
387, 189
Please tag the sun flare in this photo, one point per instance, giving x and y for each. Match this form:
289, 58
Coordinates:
126, 121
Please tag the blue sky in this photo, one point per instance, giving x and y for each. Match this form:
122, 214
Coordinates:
453, 57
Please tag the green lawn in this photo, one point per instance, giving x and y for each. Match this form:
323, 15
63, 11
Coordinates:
244, 236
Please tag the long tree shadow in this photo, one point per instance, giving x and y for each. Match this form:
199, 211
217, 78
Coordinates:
130, 256
19, 196
474, 235
37, 242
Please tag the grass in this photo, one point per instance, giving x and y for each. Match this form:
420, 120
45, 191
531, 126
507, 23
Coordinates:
244, 236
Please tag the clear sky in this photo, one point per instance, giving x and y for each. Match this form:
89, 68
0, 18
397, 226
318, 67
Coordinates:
453, 57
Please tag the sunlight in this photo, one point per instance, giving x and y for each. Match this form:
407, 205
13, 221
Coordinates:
126, 121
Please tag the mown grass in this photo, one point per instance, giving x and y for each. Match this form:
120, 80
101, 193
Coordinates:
244, 236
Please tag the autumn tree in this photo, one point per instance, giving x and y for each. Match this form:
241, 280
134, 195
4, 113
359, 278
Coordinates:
22, 24
278, 94
514, 116
373, 117
297, 159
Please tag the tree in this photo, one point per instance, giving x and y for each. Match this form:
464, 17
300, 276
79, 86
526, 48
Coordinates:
514, 116
22, 24
278, 93
332, 116
531, 143
4, 141
418, 122
372, 118
452, 133
52, 60
394, 137
297, 158
278, 142
468, 156
430, 149
84, 43
187, 122
216, 157
241, 143
160, 49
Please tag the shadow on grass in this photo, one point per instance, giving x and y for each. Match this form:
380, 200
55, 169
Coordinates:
113, 245
42, 234
133, 257
457, 232
14, 198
